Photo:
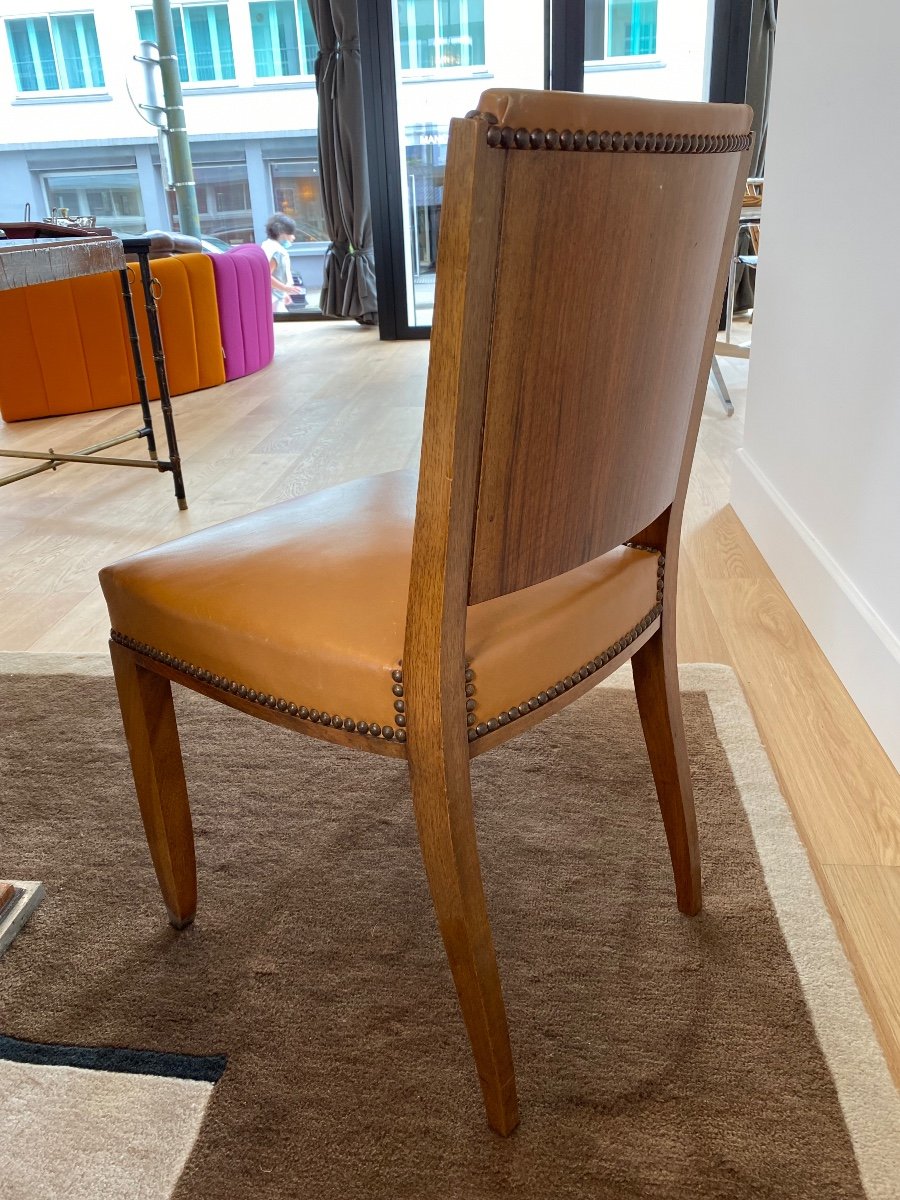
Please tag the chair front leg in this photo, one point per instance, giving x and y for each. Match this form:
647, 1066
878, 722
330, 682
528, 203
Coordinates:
659, 703
148, 715
442, 798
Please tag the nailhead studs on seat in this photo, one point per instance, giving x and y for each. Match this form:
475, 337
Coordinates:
583, 672
476, 728
266, 700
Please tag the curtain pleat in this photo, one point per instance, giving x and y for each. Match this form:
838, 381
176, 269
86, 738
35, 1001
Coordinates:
348, 288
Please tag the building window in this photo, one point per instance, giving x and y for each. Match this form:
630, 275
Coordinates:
223, 202
441, 34
297, 191
617, 29
202, 40
284, 40
113, 197
52, 54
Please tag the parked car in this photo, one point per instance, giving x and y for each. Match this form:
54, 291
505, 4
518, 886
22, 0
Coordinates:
214, 245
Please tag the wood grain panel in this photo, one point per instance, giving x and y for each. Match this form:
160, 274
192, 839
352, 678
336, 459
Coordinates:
842, 789
598, 340
867, 903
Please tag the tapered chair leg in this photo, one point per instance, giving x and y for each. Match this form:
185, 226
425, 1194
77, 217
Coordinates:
659, 702
442, 798
148, 715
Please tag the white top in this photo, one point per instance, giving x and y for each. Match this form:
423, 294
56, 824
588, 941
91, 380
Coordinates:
282, 272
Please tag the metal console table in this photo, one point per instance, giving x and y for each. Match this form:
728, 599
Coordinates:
24, 263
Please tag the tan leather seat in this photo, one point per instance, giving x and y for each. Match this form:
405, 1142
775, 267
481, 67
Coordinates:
305, 604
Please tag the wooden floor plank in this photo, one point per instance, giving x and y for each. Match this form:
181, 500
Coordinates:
868, 901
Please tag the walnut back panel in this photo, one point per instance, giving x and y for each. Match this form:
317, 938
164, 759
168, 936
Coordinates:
605, 269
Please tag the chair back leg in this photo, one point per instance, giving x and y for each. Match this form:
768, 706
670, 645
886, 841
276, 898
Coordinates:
659, 702
148, 715
442, 799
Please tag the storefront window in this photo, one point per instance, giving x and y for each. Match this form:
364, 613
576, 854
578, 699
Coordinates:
223, 201
112, 197
296, 187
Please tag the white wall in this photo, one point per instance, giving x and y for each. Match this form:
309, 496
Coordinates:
818, 481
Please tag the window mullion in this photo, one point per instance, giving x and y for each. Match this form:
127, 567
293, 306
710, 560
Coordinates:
215, 50
187, 33
59, 57
36, 52
413, 35
87, 68
278, 51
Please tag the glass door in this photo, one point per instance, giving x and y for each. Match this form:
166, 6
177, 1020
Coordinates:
447, 52
427, 61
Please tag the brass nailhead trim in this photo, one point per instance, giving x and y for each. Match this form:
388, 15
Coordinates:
564, 685
471, 702
509, 138
300, 711
399, 707
479, 729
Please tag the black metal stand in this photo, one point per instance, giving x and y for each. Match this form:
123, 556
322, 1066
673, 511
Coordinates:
50, 460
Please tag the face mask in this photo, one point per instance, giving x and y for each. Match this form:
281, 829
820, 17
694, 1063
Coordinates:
284, 241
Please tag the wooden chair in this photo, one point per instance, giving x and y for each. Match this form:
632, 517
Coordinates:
584, 246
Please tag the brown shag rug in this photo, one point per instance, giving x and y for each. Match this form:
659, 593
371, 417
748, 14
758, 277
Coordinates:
303, 1038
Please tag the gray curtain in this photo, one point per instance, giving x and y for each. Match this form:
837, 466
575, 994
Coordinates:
759, 75
348, 288
763, 20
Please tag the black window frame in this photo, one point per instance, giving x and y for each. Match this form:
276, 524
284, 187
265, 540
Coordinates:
564, 40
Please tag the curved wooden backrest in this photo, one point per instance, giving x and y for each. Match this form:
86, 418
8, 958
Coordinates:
606, 266
580, 272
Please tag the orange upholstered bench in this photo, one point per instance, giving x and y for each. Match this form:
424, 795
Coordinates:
66, 347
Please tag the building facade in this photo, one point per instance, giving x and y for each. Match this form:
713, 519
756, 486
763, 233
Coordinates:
73, 138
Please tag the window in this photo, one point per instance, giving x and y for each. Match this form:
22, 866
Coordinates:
202, 40
440, 34
619, 29
113, 197
284, 40
223, 201
52, 54
297, 190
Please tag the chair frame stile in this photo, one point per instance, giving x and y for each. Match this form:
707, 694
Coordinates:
434, 662
438, 746
434, 655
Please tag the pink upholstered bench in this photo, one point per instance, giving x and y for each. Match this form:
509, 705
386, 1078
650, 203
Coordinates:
245, 309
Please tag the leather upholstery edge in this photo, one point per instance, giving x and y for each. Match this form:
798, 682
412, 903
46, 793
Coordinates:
289, 708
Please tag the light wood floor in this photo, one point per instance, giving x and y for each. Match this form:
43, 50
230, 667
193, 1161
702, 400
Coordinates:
337, 404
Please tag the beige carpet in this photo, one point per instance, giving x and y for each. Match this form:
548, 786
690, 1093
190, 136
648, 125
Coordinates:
728, 1056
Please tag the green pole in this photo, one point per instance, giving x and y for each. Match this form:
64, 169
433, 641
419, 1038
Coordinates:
176, 130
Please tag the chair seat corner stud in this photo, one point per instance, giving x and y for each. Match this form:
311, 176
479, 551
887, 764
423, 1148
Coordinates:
470, 558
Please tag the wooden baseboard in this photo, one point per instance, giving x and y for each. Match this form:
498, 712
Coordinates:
863, 651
